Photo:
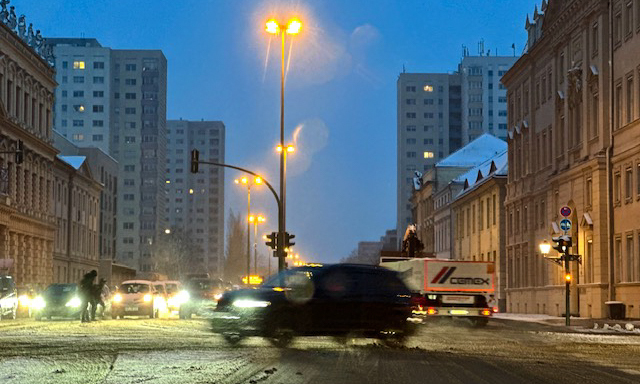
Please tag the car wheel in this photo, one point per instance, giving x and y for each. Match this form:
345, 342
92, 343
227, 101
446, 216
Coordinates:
232, 338
393, 339
282, 337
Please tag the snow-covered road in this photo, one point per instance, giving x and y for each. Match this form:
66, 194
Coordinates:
175, 351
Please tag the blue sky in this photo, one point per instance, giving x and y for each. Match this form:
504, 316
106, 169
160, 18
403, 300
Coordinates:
341, 89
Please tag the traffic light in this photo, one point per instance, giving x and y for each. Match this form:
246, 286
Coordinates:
20, 152
272, 237
287, 240
562, 243
195, 158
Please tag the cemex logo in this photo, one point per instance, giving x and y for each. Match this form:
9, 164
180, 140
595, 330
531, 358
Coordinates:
446, 272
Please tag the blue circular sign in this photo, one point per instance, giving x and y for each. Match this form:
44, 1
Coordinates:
565, 224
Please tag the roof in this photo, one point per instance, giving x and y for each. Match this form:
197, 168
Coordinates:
495, 166
475, 153
74, 161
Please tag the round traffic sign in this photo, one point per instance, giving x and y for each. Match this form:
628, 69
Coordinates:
565, 211
565, 224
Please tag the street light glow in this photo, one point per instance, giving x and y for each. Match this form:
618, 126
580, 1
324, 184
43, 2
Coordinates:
545, 247
290, 148
272, 27
244, 180
258, 180
167, 231
294, 27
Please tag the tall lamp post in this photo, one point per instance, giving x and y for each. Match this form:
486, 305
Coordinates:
562, 245
248, 182
255, 220
275, 28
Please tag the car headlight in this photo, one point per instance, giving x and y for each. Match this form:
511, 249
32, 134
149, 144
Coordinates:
39, 303
217, 296
147, 298
117, 298
24, 300
183, 297
74, 302
243, 303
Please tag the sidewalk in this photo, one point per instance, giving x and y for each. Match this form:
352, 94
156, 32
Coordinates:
578, 324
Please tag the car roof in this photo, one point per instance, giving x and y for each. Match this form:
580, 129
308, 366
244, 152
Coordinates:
138, 282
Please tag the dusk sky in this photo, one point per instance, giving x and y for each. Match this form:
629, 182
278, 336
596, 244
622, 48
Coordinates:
341, 89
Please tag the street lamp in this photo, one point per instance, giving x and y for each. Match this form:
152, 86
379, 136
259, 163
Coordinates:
545, 247
257, 180
256, 220
292, 28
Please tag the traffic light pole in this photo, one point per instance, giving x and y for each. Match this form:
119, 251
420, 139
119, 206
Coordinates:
567, 289
280, 248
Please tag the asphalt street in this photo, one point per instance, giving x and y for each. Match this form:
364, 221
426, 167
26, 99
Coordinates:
184, 351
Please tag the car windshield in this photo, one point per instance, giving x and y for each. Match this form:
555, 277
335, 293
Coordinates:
289, 279
204, 285
171, 288
5, 283
60, 289
134, 288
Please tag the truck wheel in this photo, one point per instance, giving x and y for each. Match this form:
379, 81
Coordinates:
282, 337
232, 338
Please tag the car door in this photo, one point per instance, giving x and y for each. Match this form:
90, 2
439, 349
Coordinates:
335, 301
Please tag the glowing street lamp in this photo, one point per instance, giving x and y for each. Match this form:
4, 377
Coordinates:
545, 247
293, 27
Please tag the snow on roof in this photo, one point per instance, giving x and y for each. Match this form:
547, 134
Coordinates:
74, 161
494, 166
475, 153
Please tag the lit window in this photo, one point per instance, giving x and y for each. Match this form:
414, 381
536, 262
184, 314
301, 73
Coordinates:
428, 155
428, 88
78, 65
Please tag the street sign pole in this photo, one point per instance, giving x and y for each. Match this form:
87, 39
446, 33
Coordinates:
567, 289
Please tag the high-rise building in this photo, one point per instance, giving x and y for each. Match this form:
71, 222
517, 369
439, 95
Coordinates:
484, 101
116, 100
438, 113
429, 128
195, 202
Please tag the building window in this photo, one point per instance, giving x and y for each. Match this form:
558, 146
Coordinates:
98, 65
130, 67
428, 115
78, 93
411, 141
98, 93
618, 106
588, 192
129, 197
78, 65
426, 88
630, 267
130, 81
77, 137
98, 80
78, 123
97, 138
129, 168
130, 96
129, 139
411, 101
428, 155
129, 182
411, 155
616, 187
411, 115
428, 141
78, 79
130, 111
98, 108
628, 184
638, 179
594, 123
411, 128
98, 123
127, 225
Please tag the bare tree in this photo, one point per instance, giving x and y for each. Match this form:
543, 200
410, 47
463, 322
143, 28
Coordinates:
174, 255
236, 256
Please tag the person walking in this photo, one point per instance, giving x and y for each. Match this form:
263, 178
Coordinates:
100, 295
85, 290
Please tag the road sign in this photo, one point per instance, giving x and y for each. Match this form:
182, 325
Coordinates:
565, 211
565, 224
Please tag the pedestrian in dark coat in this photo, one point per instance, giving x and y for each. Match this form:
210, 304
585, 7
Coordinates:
85, 290
97, 298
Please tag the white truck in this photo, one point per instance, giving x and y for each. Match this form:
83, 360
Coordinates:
448, 288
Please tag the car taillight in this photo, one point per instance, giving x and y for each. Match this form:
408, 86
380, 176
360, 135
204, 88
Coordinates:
495, 309
486, 312
432, 311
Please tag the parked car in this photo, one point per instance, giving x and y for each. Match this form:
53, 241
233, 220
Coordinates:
8, 297
60, 300
176, 296
335, 300
138, 298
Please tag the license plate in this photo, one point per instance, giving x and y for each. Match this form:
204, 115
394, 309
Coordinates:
459, 312
457, 299
130, 309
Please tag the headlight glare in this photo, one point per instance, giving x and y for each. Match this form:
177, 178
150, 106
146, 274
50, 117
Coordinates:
74, 302
117, 298
24, 300
147, 298
39, 303
244, 303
